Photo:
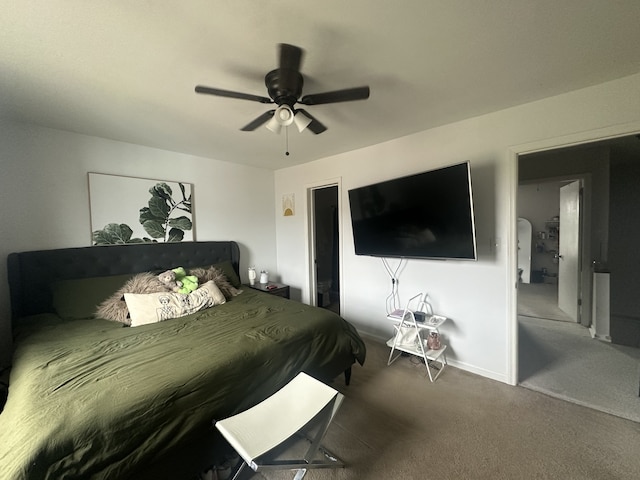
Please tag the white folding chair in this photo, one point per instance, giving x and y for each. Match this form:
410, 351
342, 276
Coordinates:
303, 404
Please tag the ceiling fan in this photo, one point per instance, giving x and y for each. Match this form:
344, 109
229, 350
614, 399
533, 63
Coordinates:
284, 86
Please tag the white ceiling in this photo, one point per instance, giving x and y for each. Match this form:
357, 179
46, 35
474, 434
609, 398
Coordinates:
126, 70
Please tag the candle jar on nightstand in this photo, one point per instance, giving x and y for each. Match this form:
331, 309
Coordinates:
252, 275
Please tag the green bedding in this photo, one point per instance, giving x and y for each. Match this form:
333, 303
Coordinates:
91, 399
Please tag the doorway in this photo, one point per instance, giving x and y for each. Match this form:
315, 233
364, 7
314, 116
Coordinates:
550, 256
565, 359
325, 247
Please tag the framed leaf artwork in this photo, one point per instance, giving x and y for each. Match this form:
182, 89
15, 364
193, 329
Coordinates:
136, 210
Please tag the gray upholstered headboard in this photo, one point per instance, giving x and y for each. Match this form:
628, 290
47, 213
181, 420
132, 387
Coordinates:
31, 273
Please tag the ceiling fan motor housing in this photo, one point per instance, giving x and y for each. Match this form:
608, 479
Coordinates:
284, 86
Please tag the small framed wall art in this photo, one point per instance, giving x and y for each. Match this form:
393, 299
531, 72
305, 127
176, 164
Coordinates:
288, 205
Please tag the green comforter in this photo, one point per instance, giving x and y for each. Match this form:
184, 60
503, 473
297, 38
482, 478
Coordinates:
93, 400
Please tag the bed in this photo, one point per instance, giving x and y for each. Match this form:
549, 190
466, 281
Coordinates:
90, 398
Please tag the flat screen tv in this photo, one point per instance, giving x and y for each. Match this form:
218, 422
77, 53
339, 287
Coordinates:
426, 215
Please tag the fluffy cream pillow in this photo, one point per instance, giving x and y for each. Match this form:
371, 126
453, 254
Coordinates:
156, 307
205, 274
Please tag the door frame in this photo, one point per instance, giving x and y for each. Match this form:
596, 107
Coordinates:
615, 131
312, 287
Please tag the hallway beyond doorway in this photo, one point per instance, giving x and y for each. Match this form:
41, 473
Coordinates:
540, 300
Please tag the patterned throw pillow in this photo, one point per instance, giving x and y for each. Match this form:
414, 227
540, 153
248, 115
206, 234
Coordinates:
157, 307
115, 308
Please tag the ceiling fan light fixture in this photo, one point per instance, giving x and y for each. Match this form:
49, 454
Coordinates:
283, 117
274, 125
301, 121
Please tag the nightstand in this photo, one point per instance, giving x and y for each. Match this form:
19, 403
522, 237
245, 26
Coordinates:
273, 288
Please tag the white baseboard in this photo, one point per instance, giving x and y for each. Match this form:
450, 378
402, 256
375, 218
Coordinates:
503, 378
500, 377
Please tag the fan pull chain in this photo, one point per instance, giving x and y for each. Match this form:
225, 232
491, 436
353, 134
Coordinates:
286, 132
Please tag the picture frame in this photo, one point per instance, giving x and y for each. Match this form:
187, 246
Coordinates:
288, 205
138, 210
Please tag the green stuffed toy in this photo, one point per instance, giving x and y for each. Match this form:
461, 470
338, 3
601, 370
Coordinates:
187, 283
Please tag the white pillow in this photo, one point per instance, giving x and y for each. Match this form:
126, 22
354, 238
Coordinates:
147, 308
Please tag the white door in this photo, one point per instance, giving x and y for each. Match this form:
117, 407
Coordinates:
569, 250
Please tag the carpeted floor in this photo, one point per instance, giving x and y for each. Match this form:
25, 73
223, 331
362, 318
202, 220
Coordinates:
394, 423
561, 359
540, 300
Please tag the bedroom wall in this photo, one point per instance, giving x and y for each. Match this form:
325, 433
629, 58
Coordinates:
475, 295
44, 199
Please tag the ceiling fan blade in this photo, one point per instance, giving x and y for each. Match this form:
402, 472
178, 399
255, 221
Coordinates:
346, 95
315, 126
230, 94
262, 119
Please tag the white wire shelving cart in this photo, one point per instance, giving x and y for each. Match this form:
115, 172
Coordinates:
409, 325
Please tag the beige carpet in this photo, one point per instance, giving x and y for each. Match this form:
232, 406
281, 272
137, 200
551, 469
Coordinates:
540, 300
562, 360
394, 423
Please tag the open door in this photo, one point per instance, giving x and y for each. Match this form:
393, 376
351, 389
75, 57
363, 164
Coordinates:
569, 294
326, 246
